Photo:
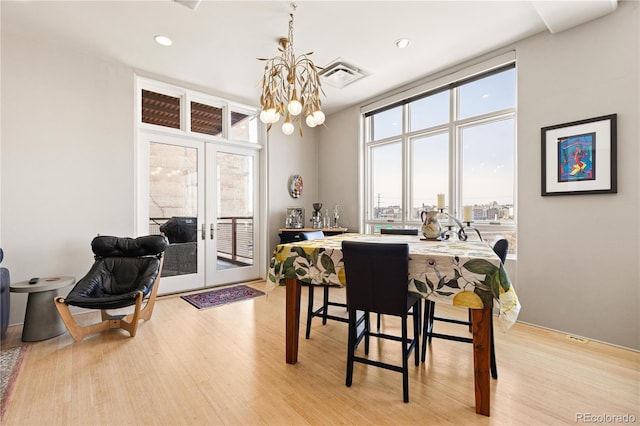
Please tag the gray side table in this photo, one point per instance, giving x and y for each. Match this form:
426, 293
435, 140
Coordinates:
41, 319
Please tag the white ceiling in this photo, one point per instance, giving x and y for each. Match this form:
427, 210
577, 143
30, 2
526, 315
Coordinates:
216, 45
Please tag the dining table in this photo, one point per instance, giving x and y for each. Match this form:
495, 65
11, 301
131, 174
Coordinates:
460, 273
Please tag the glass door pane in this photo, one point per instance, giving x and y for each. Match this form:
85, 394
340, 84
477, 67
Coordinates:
235, 202
173, 205
235, 210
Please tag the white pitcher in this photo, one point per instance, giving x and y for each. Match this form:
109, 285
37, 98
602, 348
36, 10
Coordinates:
430, 225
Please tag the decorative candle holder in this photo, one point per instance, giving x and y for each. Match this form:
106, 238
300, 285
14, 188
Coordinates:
472, 228
462, 229
462, 235
448, 233
429, 219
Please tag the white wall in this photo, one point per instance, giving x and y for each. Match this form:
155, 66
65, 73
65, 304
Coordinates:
578, 255
67, 159
577, 265
338, 162
288, 156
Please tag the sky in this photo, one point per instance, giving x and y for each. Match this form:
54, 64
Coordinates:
486, 153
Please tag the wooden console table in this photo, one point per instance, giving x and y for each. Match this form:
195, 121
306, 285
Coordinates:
290, 235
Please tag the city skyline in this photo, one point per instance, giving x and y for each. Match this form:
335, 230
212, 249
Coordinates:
490, 212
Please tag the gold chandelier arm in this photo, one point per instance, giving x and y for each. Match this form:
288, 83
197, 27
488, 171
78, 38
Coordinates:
290, 85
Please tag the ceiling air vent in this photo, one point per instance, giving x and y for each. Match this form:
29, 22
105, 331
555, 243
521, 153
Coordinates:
340, 74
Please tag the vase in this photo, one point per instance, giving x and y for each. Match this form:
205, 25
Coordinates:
430, 225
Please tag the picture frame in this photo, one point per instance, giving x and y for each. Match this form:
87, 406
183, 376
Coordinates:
580, 157
294, 218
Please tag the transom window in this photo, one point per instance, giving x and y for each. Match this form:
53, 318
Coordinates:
193, 112
457, 140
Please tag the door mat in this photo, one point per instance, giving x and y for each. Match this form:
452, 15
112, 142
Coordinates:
10, 362
209, 299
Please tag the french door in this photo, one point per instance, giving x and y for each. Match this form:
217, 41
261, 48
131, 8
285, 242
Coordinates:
203, 197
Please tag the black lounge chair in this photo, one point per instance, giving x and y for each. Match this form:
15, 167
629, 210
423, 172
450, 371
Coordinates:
126, 272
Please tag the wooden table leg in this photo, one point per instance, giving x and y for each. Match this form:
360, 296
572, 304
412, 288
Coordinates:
293, 319
481, 358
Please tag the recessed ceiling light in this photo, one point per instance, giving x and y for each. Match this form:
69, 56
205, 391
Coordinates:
163, 40
401, 43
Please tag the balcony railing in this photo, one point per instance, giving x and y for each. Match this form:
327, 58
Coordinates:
235, 239
234, 236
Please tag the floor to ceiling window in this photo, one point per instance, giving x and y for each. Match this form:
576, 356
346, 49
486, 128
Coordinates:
456, 139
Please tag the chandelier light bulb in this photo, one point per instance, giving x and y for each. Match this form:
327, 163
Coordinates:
287, 128
294, 107
267, 115
311, 122
272, 115
318, 117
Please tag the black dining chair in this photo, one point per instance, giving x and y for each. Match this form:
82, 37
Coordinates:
395, 231
323, 311
399, 231
377, 281
501, 247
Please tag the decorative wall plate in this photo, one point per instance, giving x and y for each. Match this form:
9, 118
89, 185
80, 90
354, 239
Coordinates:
295, 186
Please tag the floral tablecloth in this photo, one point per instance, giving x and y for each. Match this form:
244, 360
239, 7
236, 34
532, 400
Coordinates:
461, 273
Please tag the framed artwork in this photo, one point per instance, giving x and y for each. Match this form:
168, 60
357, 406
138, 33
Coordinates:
580, 157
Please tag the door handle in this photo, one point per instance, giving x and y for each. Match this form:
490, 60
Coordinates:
204, 232
211, 231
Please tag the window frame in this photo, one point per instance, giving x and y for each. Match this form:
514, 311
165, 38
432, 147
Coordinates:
186, 97
454, 127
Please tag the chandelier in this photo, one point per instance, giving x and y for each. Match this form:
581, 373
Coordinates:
290, 88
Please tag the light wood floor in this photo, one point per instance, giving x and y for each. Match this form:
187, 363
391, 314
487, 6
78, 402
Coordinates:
226, 365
